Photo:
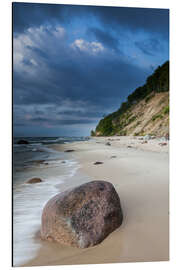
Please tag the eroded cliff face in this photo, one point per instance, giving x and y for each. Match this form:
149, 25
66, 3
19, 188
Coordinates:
146, 110
149, 116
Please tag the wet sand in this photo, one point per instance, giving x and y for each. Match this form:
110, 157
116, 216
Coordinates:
140, 175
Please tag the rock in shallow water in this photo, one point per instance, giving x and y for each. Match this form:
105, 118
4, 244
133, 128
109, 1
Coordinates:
22, 142
34, 180
83, 216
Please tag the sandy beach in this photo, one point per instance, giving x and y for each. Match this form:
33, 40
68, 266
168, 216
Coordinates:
140, 174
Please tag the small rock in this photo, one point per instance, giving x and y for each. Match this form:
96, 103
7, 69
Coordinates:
144, 142
40, 161
98, 163
113, 156
22, 142
163, 138
83, 216
129, 146
163, 144
167, 136
63, 161
34, 180
147, 137
108, 143
70, 150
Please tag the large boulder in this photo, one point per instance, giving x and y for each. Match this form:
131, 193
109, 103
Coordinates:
83, 216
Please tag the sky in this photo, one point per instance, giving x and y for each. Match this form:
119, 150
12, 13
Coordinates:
72, 65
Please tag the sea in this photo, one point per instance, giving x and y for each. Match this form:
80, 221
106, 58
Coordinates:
36, 159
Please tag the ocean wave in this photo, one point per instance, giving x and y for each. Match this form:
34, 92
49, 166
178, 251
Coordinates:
28, 203
33, 144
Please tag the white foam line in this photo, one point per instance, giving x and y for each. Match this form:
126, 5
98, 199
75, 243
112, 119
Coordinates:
29, 200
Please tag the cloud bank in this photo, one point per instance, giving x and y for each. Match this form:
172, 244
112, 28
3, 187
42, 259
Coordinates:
73, 64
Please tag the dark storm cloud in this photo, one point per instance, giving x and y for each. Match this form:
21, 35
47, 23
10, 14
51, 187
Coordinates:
149, 47
148, 19
66, 72
54, 122
28, 15
69, 72
93, 79
62, 121
19, 124
79, 113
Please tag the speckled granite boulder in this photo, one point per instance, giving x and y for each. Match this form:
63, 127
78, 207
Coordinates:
83, 216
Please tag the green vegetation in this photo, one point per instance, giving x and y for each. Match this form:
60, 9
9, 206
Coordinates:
161, 114
149, 98
137, 124
141, 133
166, 110
123, 133
105, 126
156, 116
157, 82
93, 133
131, 120
114, 123
136, 133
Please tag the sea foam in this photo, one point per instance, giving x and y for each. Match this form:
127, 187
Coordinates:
28, 203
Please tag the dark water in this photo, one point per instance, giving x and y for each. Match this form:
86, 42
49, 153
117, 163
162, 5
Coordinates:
25, 155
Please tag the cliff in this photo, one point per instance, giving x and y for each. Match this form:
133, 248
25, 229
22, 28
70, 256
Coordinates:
146, 110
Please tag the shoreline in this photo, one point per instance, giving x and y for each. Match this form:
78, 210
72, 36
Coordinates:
140, 175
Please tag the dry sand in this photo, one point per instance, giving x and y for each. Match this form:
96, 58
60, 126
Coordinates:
140, 174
